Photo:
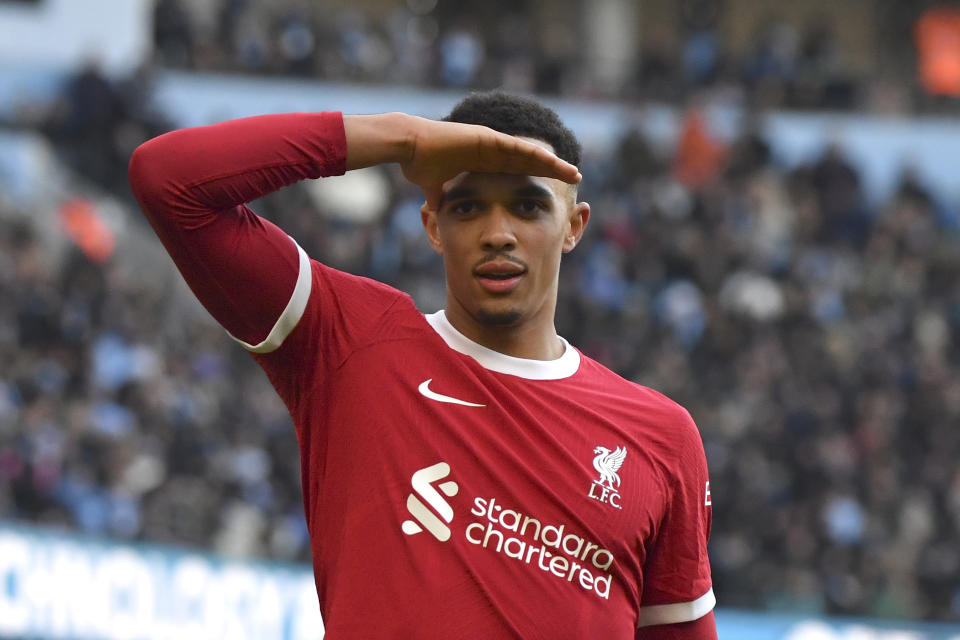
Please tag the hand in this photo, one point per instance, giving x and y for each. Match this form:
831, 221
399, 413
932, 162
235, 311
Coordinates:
430, 152
443, 150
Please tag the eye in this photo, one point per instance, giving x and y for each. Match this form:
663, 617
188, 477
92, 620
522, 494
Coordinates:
530, 207
464, 207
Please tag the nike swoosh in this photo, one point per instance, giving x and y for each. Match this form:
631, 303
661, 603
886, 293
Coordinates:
424, 389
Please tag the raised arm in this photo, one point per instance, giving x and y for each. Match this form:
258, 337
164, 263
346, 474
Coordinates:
192, 185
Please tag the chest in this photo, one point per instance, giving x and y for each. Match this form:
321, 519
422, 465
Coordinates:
426, 432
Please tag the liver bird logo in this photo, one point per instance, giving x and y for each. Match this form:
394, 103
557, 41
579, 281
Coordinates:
607, 463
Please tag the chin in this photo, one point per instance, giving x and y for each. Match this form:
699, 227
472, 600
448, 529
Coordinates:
498, 318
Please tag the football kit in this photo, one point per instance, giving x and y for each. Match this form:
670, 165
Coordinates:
450, 491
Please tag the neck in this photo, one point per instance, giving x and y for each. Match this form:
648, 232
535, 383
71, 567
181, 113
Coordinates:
534, 339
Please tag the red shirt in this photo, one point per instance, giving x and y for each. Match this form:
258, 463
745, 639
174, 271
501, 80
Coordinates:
450, 491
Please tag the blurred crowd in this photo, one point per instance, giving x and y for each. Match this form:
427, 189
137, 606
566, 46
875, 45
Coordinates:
502, 44
814, 336
814, 339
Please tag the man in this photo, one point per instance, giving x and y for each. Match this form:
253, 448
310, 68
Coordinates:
467, 473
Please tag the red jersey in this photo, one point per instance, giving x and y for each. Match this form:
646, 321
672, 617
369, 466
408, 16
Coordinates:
451, 491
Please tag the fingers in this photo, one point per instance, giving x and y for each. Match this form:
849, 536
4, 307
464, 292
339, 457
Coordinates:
516, 155
544, 163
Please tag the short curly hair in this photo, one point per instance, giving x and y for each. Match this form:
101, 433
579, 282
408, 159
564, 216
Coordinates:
518, 116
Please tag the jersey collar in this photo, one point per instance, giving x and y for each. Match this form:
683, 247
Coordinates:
563, 367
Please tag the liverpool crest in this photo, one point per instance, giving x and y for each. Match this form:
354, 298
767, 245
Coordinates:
608, 463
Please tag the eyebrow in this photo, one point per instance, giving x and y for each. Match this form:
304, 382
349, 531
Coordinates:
526, 191
534, 191
458, 193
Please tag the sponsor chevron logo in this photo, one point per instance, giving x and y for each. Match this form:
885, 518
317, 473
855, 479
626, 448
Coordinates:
422, 482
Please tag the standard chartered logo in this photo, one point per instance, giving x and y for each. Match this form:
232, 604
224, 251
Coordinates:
422, 482
552, 548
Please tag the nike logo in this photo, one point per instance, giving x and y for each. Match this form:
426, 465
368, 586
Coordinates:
425, 390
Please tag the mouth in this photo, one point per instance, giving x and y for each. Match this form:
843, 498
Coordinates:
499, 276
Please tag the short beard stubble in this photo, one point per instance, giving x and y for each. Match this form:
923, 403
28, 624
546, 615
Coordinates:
498, 319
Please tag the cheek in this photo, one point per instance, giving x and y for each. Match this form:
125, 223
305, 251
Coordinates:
457, 248
549, 245
448, 242
455, 256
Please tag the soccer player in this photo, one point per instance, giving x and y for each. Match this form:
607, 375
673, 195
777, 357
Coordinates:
466, 473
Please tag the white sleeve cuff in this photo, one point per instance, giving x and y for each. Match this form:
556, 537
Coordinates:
677, 612
292, 312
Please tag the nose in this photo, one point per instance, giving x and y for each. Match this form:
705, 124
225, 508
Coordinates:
498, 233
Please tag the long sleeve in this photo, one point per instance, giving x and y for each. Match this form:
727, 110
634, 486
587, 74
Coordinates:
192, 185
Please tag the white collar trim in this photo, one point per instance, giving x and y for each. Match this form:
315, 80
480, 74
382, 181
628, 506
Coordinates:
563, 367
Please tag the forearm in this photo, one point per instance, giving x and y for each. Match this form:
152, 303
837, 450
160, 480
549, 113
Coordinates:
379, 139
223, 165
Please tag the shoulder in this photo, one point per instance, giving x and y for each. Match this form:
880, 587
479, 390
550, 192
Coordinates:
665, 410
355, 299
342, 282
658, 419
343, 313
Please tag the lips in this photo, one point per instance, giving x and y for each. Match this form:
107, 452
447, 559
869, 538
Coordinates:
499, 276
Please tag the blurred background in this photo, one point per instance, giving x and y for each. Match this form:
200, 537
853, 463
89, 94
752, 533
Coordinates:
775, 244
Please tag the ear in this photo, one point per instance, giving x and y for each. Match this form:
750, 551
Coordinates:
579, 216
429, 218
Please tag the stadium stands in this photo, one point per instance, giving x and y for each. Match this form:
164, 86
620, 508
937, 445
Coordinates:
813, 333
